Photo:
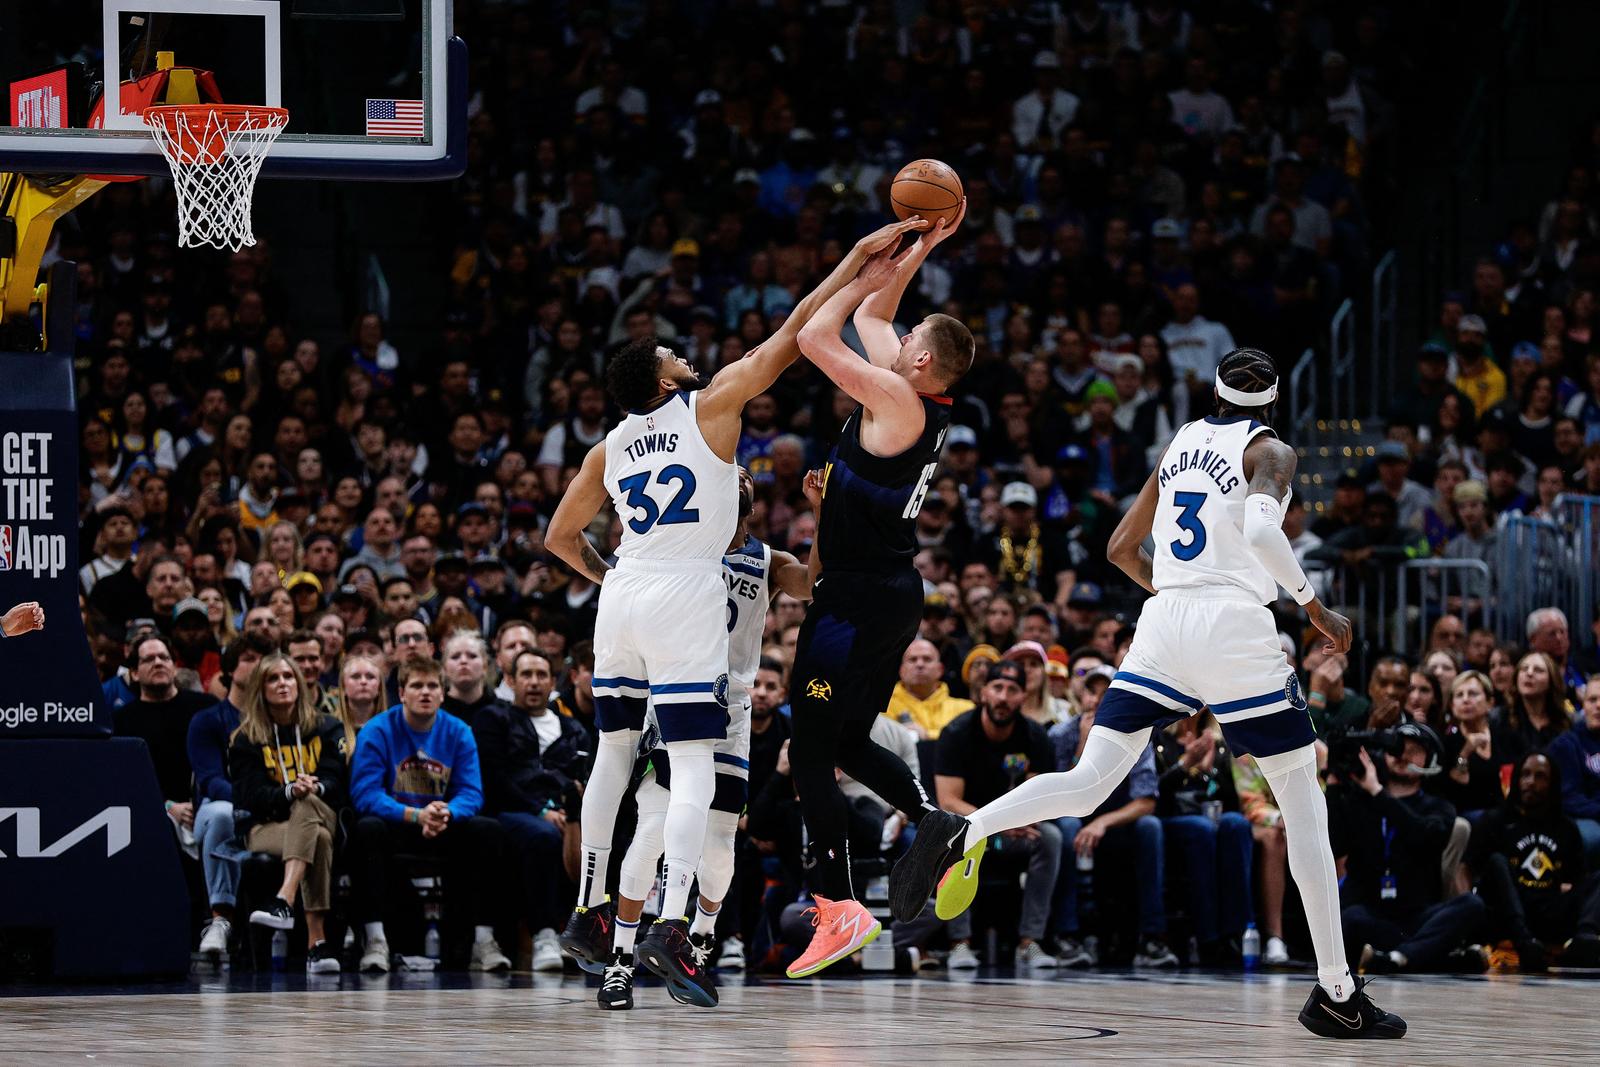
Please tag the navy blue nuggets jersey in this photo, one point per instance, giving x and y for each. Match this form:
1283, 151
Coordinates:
870, 503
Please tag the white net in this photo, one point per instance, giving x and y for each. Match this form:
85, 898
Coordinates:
215, 152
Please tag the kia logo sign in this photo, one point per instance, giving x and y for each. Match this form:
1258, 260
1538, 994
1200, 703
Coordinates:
117, 822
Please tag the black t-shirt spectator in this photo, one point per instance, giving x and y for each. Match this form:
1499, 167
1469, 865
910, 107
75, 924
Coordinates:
1543, 853
1394, 841
992, 768
164, 726
764, 749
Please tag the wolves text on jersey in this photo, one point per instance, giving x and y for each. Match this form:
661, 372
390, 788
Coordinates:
1206, 461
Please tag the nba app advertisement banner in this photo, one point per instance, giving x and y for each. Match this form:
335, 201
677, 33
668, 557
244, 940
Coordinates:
48, 685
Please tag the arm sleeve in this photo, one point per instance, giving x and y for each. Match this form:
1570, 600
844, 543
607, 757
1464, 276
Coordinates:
1263, 529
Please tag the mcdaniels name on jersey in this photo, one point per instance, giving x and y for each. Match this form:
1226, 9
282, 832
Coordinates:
1207, 462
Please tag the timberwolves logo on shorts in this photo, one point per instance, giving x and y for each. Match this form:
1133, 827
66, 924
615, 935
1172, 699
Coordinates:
1291, 693
719, 689
5, 548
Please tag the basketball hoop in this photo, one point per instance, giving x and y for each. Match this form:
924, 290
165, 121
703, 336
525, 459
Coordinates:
215, 152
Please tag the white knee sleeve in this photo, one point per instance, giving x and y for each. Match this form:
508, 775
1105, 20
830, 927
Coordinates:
1293, 778
1107, 758
694, 783
644, 851
716, 860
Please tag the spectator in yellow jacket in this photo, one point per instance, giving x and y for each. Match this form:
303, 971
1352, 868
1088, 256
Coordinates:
921, 701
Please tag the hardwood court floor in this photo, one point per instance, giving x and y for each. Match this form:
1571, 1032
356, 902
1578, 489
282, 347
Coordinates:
461, 1020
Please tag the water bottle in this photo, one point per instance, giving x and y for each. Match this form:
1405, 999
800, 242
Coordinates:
1251, 947
430, 940
280, 950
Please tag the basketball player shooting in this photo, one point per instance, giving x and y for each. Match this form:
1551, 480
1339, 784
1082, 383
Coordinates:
24, 618
1214, 505
661, 632
867, 601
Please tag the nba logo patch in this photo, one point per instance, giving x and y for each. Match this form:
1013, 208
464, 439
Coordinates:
5, 548
649, 422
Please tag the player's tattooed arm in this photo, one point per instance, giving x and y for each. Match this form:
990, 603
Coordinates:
1126, 547
579, 505
1270, 466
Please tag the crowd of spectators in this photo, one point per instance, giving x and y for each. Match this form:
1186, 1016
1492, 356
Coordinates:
1148, 185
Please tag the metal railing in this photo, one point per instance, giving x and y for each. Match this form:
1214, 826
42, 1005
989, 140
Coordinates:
1550, 561
1394, 605
1384, 313
1303, 411
1342, 365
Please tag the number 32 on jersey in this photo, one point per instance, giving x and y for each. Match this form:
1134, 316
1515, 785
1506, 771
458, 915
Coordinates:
651, 514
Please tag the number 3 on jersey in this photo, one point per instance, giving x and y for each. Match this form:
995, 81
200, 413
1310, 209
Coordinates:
677, 510
1189, 522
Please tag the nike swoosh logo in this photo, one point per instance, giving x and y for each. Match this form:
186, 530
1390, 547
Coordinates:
691, 972
1354, 1024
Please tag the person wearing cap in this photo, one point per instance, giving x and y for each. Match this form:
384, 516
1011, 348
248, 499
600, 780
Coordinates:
1037, 702
115, 541
349, 605
682, 289
921, 701
1394, 469
1117, 463
1475, 374
1022, 554
1394, 835
193, 646
305, 589
983, 754
1039, 117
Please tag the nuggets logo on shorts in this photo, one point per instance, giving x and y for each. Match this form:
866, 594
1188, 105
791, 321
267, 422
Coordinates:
1291, 693
817, 689
719, 689
6, 555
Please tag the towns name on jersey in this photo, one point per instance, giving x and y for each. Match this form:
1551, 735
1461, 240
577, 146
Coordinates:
26, 487
1207, 462
652, 442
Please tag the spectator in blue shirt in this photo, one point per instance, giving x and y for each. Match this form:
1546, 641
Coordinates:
210, 733
1576, 754
417, 789
1126, 821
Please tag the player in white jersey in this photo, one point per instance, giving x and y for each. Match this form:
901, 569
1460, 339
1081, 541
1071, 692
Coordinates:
754, 572
659, 634
1214, 505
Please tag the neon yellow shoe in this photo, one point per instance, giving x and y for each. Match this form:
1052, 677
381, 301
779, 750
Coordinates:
960, 883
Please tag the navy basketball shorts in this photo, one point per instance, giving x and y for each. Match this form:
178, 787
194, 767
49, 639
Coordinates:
847, 657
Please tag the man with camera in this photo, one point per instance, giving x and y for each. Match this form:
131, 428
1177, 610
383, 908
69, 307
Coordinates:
1393, 836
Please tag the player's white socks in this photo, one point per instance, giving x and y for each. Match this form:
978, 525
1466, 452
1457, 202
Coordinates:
1108, 756
627, 933
705, 922
694, 783
613, 766
1293, 778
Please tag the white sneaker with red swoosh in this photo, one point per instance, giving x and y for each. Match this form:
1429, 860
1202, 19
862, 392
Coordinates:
843, 927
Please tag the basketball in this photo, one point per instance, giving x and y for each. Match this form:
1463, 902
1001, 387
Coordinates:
928, 188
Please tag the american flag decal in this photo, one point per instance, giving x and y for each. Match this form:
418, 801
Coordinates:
394, 118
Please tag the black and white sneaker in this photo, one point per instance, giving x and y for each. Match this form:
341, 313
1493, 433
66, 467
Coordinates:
616, 987
914, 876
1357, 1017
322, 959
589, 936
666, 950
1155, 953
280, 916
703, 950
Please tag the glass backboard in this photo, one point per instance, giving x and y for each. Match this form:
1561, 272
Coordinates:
375, 89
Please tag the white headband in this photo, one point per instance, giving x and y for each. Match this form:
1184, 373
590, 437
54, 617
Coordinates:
1244, 399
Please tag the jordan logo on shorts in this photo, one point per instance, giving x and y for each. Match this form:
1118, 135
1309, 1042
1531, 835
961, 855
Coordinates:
817, 689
